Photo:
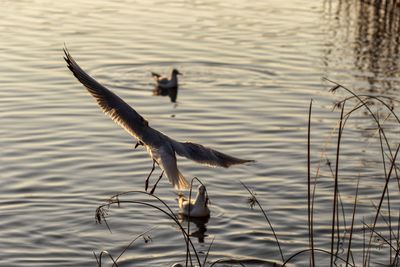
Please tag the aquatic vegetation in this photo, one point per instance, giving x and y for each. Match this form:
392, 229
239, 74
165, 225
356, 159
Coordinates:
343, 231
103, 210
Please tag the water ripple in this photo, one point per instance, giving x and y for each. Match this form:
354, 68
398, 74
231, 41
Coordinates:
250, 70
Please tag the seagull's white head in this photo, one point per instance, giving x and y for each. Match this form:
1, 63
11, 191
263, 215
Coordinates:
201, 189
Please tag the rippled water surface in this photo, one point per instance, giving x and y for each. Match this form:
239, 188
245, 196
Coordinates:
250, 69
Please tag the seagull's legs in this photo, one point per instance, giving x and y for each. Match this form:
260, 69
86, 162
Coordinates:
146, 185
155, 185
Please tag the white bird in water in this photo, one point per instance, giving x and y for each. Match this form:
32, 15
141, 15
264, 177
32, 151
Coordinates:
162, 149
165, 82
197, 207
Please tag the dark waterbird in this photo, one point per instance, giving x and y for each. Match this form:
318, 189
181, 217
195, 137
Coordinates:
162, 149
166, 86
165, 82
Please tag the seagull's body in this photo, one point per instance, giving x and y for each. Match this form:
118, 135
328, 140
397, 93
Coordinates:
197, 207
161, 148
165, 82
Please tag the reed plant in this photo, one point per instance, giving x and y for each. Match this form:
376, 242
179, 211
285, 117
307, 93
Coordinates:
389, 236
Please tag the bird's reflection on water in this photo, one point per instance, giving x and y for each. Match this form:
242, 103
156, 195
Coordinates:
172, 93
200, 223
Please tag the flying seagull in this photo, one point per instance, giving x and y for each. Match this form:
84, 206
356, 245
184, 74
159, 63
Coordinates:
162, 149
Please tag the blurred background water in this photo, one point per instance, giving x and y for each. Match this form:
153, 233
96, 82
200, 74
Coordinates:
250, 70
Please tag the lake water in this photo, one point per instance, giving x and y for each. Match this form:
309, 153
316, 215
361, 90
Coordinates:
250, 70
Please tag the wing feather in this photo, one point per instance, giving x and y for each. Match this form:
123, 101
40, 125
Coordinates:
205, 155
110, 103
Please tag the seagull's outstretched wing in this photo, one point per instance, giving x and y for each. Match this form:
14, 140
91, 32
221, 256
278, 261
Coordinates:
110, 103
167, 161
205, 155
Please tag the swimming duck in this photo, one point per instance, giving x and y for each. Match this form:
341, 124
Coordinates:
197, 207
167, 83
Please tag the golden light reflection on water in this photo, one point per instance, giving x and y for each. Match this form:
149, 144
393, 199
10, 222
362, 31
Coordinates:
250, 69
366, 32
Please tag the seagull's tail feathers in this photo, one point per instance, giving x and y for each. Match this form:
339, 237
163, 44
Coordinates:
180, 183
167, 161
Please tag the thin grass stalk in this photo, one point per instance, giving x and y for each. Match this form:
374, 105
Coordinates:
383, 218
364, 257
356, 96
376, 98
395, 259
384, 137
95, 257
363, 103
188, 222
100, 214
372, 115
224, 261
188, 255
339, 195
266, 218
190, 203
317, 250
383, 121
313, 201
337, 229
340, 129
380, 130
388, 197
312, 213
381, 236
116, 196
352, 224
147, 194
131, 243
208, 252
171, 216
337, 86
323, 154
104, 252
390, 223
186, 234
310, 224
383, 195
